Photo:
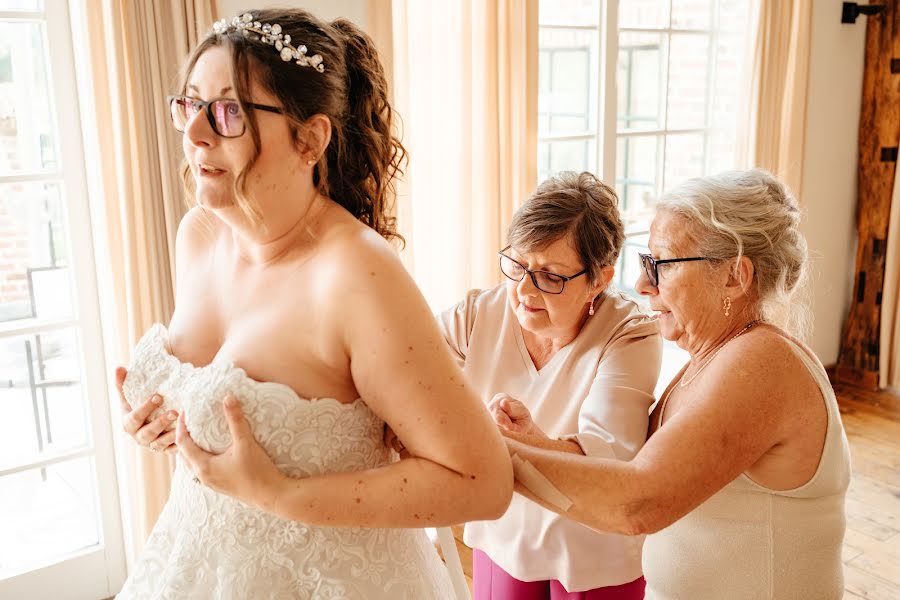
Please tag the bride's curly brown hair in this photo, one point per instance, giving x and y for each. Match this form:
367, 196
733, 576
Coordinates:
364, 156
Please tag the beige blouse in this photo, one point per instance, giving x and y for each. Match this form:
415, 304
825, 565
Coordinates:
748, 542
596, 391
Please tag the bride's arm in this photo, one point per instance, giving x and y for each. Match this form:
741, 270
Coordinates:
458, 470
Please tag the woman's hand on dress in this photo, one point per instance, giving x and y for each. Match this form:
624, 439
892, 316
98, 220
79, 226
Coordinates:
512, 415
243, 471
157, 435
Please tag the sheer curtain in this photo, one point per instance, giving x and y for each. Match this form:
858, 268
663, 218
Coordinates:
775, 127
136, 53
465, 85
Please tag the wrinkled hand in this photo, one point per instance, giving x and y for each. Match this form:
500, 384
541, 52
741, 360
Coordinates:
512, 415
243, 471
159, 434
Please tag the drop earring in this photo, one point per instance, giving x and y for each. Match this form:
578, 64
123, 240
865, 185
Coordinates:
726, 306
591, 309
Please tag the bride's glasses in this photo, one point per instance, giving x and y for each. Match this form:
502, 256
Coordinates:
225, 115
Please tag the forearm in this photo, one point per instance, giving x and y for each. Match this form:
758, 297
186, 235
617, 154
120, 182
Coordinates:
607, 495
414, 492
543, 442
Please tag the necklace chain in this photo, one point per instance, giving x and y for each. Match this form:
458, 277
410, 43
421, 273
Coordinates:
683, 383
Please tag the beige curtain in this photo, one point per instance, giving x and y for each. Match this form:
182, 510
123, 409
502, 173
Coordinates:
775, 125
465, 84
889, 347
136, 52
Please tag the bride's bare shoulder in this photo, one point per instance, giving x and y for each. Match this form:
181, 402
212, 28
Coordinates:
196, 232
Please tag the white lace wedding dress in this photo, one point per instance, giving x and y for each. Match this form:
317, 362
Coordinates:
208, 545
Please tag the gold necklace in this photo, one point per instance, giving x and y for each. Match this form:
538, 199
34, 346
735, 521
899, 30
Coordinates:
683, 383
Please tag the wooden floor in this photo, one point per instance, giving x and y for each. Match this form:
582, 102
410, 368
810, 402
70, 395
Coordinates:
872, 542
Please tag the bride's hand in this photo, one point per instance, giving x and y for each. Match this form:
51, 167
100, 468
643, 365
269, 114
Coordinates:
243, 471
157, 435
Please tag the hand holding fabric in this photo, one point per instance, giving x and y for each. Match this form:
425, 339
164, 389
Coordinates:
243, 471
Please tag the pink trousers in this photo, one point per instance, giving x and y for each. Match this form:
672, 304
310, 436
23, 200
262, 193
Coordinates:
490, 582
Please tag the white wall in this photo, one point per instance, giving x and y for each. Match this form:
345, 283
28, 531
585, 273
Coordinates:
829, 170
355, 10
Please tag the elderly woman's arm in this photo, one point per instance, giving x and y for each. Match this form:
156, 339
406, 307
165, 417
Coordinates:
733, 416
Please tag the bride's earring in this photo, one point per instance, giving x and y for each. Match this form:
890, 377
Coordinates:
311, 162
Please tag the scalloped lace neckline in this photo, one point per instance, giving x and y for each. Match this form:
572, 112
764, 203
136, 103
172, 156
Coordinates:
160, 335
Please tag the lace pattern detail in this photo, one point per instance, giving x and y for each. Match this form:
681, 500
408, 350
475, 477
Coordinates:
208, 545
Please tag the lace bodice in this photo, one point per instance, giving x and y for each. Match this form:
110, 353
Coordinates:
208, 545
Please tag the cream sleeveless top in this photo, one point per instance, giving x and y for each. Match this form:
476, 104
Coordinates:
748, 542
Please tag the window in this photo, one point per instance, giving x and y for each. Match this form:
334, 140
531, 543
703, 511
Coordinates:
643, 93
59, 519
647, 103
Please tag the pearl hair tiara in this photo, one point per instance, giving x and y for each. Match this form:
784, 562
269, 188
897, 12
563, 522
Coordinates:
270, 33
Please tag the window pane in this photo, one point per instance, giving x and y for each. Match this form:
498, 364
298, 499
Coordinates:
567, 81
688, 81
628, 267
34, 278
30, 5
49, 512
637, 168
644, 14
720, 152
27, 139
641, 77
569, 12
40, 390
684, 158
692, 14
734, 16
569, 155
543, 166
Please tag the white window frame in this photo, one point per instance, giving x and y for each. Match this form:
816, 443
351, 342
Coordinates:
99, 571
605, 134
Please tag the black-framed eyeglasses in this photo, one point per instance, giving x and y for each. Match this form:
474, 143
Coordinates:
651, 265
552, 283
225, 115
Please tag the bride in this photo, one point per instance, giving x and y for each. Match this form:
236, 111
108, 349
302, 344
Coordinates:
294, 309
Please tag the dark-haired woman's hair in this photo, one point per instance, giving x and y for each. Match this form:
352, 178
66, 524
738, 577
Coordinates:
364, 156
574, 206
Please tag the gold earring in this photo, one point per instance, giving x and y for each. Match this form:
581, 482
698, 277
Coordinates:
311, 161
591, 309
726, 305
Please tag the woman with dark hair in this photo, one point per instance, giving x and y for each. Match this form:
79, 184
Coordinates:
284, 275
557, 341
